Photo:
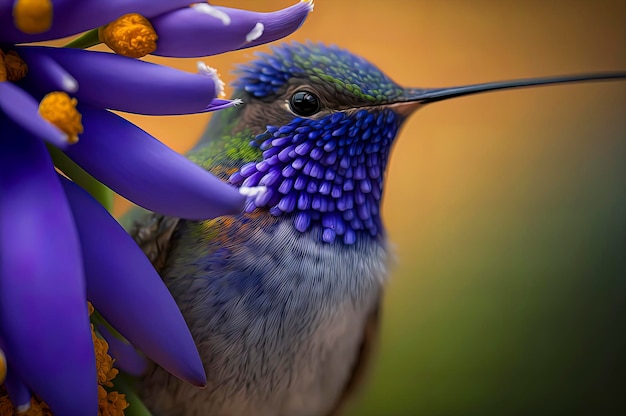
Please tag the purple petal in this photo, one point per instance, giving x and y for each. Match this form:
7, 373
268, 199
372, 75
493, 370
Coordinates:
49, 75
189, 32
115, 82
124, 287
144, 170
17, 390
127, 358
20, 107
43, 309
219, 104
75, 16
282, 23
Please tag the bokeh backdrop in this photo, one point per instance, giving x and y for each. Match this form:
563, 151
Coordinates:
508, 210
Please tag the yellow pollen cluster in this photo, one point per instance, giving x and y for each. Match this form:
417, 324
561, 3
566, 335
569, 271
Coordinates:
12, 67
37, 407
104, 361
110, 403
32, 16
130, 35
6, 408
60, 109
3, 67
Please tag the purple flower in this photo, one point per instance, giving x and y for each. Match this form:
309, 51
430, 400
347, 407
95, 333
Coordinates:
208, 24
58, 246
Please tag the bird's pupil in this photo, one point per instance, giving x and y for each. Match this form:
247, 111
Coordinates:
304, 103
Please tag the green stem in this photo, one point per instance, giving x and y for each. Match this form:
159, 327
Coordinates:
98, 319
86, 40
99, 191
135, 405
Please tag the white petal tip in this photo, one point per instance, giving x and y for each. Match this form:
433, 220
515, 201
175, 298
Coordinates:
237, 101
310, 4
210, 72
212, 11
23, 408
252, 191
69, 84
255, 33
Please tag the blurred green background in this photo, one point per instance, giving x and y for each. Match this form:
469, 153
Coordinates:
508, 210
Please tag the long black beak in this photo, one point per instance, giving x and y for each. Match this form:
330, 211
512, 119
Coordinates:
416, 97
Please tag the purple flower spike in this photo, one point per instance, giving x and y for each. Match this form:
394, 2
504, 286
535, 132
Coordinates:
202, 30
142, 169
43, 308
74, 16
24, 111
115, 82
129, 293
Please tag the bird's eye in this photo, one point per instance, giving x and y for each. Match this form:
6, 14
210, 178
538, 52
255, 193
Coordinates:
305, 104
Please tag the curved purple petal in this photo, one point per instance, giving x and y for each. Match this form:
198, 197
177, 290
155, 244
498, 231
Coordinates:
75, 16
17, 391
43, 309
20, 107
192, 32
127, 358
144, 170
219, 104
124, 287
48, 75
115, 82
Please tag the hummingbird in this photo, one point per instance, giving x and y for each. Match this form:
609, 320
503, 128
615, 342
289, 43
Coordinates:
283, 300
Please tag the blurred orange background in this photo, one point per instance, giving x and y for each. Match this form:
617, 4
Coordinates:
508, 210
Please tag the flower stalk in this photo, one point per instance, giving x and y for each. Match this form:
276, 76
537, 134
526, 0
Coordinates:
96, 189
86, 40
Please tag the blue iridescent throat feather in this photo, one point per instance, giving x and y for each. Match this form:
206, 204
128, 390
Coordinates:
325, 172
328, 172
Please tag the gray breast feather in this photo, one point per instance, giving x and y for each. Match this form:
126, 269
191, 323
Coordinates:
278, 320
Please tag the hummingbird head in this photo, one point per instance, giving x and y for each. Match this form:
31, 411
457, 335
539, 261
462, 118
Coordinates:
324, 121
